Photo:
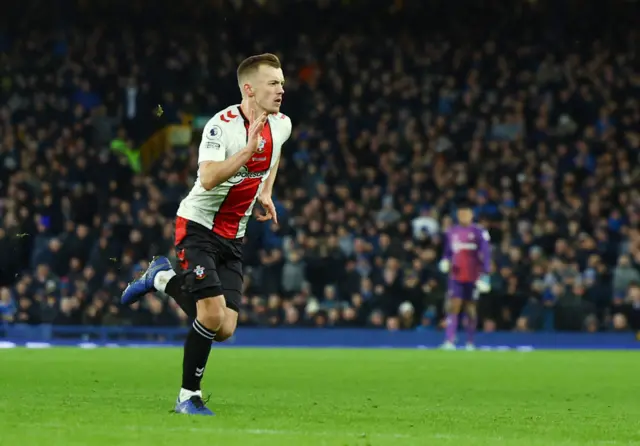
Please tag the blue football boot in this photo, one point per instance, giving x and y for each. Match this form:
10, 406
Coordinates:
143, 285
193, 406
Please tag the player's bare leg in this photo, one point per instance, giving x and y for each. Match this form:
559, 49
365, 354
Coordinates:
453, 308
209, 317
471, 312
189, 306
228, 326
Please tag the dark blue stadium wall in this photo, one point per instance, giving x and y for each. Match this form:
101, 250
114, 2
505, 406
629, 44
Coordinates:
88, 337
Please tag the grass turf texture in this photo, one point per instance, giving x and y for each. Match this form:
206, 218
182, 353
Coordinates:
65, 396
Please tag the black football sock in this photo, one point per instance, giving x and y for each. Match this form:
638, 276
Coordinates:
184, 301
196, 353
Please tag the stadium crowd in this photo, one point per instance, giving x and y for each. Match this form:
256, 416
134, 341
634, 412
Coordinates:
538, 124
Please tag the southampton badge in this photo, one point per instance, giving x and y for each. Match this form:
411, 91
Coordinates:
261, 144
199, 272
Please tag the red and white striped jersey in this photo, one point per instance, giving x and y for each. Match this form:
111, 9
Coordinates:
226, 208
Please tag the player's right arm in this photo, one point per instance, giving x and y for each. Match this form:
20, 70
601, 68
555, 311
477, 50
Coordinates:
214, 169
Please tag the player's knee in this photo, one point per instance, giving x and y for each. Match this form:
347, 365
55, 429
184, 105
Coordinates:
211, 312
471, 310
224, 333
228, 327
454, 306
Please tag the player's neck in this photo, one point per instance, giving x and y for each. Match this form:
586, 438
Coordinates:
246, 106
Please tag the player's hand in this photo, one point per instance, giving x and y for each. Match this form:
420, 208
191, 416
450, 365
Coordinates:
444, 266
255, 129
267, 204
483, 285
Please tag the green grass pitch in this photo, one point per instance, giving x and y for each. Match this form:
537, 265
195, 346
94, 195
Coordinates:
304, 397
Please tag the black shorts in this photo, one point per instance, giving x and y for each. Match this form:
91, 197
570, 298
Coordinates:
210, 265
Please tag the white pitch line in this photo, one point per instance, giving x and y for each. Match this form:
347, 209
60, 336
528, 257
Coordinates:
288, 433
222, 430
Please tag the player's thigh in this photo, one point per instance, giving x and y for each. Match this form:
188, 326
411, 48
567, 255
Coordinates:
201, 283
232, 280
471, 305
230, 272
471, 296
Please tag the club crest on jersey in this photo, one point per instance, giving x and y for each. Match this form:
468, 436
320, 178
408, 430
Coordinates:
199, 272
261, 143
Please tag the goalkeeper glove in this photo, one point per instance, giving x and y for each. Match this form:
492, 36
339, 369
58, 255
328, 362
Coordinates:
483, 284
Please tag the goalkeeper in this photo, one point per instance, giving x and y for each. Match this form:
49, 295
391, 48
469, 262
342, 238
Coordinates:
467, 260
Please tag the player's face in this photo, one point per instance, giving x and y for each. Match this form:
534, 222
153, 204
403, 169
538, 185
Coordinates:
268, 86
465, 216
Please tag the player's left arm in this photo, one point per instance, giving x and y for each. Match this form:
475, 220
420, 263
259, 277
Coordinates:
484, 284
267, 190
485, 249
265, 199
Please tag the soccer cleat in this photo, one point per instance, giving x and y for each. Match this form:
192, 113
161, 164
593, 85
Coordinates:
448, 346
193, 406
144, 284
470, 347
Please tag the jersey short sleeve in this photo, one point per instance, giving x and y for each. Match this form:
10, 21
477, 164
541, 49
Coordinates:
213, 146
287, 128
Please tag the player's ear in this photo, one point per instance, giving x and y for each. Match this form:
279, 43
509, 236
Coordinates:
248, 91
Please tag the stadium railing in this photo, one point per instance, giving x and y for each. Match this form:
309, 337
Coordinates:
115, 336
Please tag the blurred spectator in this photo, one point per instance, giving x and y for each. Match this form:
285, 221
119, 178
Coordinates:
624, 274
